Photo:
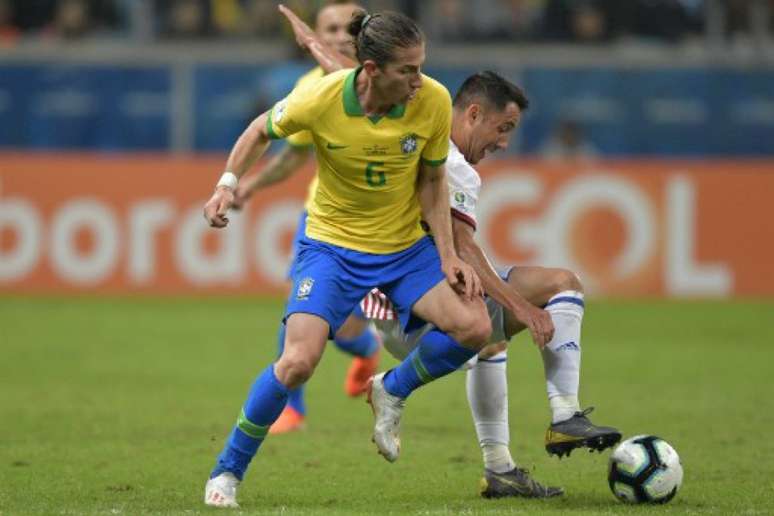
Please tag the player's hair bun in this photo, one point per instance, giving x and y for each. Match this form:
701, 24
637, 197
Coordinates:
356, 23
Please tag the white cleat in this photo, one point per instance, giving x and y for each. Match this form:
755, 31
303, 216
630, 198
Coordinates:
221, 491
387, 411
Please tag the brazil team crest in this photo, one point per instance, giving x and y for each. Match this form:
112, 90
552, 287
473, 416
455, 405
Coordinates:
408, 143
304, 288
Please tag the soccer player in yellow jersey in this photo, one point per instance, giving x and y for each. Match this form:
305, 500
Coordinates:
381, 135
487, 109
355, 336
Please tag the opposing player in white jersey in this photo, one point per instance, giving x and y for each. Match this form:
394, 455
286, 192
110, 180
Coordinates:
486, 110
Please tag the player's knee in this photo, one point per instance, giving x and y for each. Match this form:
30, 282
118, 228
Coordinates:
475, 331
566, 280
294, 370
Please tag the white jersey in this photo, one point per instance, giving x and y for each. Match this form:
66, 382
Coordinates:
464, 186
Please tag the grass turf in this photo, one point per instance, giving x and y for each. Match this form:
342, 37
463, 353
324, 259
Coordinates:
120, 405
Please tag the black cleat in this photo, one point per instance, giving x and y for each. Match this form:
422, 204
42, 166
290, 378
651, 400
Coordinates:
578, 432
515, 482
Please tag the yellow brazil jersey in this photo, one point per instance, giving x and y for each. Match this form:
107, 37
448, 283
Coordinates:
367, 166
303, 139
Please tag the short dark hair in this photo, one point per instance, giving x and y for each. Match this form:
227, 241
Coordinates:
490, 87
377, 36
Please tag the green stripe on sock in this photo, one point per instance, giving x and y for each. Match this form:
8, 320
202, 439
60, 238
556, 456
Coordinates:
251, 429
420, 369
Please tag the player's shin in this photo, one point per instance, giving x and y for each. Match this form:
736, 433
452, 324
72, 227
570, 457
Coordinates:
487, 388
296, 396
562, 355
435, 356
265, 402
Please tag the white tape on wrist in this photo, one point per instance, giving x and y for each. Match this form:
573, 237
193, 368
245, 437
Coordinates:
228, 180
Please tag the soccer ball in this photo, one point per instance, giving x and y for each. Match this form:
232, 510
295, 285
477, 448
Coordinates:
645, 469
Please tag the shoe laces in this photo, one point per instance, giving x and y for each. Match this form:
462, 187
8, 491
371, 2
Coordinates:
524, 475
583, 413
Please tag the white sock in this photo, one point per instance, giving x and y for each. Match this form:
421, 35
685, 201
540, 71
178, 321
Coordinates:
561, 356
487, 387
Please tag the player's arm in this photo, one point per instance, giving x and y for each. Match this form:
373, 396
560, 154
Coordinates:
329, 59
286, 163
537, 320
434, 200
291, 115
250, 146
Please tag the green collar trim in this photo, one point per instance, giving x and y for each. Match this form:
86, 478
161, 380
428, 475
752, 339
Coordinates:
352, 104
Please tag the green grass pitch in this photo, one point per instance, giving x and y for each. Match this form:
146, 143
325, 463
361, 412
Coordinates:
119, 406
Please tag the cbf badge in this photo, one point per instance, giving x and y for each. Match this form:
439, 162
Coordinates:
304, 288
408, 143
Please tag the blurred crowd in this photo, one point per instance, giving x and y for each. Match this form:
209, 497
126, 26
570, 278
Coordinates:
588, 21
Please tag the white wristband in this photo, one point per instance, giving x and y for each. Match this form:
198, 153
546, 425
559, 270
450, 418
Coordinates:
228, 180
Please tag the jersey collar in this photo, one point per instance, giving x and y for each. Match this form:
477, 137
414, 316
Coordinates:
352, 104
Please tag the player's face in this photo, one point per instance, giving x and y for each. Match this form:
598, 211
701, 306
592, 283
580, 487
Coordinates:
490, 130
331, 26
400, 79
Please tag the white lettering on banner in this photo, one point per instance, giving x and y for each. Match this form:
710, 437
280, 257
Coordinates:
23, 219
549, 237
241, 248
588, 192
271, 259
99, 262
226, 265
684, 277
145, 219
515, 187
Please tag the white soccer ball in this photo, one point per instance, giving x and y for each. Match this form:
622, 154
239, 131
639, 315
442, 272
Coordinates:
645, 469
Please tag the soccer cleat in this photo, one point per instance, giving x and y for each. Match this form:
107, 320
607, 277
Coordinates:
387, 411
221, 491
563, 437
359, 373
290, 420
515, 483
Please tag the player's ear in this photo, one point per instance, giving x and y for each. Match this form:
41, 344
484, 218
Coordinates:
370, 67
473, 112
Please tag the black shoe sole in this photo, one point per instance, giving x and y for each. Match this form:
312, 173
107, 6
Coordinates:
597, 443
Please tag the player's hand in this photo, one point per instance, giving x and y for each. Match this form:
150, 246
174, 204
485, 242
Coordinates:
305, 36
241, 195
462, 277
216, 208
537, 321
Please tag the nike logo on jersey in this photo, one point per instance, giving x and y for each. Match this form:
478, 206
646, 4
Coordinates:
333, 146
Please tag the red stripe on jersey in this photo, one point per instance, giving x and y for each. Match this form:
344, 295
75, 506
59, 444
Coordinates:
464, 218
376, 305
364, 305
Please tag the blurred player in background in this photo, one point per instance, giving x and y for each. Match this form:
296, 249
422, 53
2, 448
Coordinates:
356, 336
381, 136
